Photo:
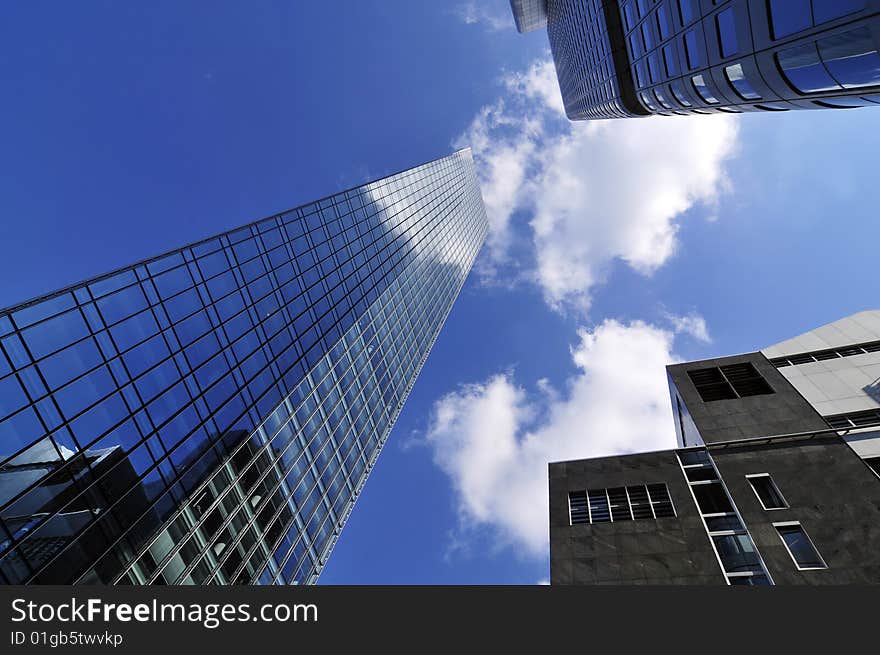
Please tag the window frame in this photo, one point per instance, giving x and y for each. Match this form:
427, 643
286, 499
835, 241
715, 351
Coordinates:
789, 524
754, 476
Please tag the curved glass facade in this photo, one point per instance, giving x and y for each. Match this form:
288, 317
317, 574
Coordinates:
627, 58
211, 415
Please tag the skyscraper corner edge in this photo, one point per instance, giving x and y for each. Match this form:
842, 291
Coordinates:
529, 15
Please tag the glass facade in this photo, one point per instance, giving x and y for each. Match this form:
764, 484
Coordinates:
626, 58
211, 415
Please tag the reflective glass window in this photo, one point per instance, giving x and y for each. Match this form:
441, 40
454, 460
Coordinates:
789, 16
54, 334
737, 553
670, 60
687, 11
703, 89
737, 78
121, 304
43, 309
726, 22
803, 69
801, 548
826, 10
692, 49
679, 94
851, 58
663, 22
12, 396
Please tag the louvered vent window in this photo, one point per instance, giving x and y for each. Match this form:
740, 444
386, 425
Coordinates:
822, 355
577, 506
854, 419
729, 382
617, 504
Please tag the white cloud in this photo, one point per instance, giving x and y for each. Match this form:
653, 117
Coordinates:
478, 13
589, 193
495, 439
693, 324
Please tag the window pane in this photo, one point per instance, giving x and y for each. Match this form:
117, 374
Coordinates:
800, 547
692, 50
703, 89
803, 69
736, 77
599, 506
767, 492
55, 333
663, 22
737, 552
727, 32
789, 16
686, 10
679, 94
825, 10
851, 58
711, 498
12, 396
670, 60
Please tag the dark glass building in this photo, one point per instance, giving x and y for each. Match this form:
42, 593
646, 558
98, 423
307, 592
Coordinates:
211, 415
774, 481
626, 58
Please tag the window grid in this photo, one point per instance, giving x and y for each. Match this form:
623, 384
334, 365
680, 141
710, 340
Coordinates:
738, 557
254, 256
306, 520
615, 504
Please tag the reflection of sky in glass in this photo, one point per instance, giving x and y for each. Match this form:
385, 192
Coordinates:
210, 415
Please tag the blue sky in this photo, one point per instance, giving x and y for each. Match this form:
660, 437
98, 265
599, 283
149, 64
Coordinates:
129, 129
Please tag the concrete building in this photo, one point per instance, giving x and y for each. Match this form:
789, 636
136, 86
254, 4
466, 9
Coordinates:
774, 481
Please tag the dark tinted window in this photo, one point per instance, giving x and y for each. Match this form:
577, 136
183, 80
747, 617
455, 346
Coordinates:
663, 22
766, 490
692, 49
687, 11
825, 10
727, 32
800, 547
789, 16
711, 498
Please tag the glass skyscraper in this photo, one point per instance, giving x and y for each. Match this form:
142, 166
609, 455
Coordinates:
211, 415
628, 58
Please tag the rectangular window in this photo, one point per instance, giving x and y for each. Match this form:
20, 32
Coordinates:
577, 507
692, 49
729, 382
663, 23
789, 16
712, 498
726, 23
767, 491
670, 60
800, 547
617, 504
687, 11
